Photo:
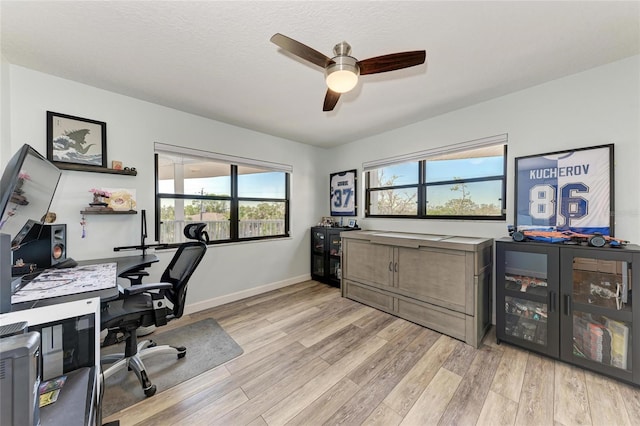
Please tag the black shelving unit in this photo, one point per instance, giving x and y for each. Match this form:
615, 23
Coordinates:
326, 252
571, 302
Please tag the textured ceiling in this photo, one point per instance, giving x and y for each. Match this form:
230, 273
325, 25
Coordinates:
214, 59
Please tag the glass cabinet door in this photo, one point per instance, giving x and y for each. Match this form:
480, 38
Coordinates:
525, 319
335, 253
528, 291
335, 244
317, 265
335, 271
318, 241
601, 339
598, 310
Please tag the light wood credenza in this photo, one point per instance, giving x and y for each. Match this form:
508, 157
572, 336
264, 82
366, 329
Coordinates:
441, 282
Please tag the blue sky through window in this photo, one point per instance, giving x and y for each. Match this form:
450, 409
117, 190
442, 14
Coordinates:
464, 168
264, 185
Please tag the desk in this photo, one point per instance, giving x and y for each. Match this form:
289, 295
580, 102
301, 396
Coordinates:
78, 403
125, 264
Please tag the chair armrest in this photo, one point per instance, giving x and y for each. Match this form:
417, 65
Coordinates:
134, 276
142, 288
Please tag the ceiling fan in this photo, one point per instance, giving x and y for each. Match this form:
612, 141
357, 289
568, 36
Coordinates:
342, 71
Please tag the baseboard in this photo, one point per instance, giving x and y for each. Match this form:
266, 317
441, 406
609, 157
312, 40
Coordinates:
227, 298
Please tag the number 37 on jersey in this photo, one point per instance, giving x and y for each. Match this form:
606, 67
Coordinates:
343, 193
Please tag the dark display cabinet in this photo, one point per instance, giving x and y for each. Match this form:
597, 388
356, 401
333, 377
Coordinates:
570, 302
326, 251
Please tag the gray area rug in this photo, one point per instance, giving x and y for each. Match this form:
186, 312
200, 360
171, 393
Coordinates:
208, 346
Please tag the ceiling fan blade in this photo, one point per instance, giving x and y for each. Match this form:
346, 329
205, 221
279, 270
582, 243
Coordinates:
392, 62
330, 100
300, 50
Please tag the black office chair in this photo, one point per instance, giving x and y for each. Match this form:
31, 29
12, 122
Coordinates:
143, 305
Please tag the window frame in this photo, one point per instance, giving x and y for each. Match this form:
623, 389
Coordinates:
422, 185
233, 199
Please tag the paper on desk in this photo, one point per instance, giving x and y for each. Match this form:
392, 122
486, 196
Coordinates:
63, 282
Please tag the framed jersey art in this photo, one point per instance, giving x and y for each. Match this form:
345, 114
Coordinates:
567, 190
343, 193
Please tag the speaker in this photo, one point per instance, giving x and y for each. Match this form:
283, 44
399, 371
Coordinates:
44, 245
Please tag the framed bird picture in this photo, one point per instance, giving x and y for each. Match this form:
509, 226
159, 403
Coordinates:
75, 143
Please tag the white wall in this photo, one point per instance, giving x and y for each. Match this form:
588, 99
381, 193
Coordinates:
132, 128
595, 107
5, 113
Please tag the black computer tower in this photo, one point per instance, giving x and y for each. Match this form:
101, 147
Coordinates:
20, 379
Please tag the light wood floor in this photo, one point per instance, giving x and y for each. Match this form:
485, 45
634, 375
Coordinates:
312, 357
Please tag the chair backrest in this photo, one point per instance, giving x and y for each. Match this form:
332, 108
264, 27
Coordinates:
184, 263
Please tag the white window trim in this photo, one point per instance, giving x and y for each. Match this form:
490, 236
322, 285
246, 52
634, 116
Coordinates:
448, 149
240, 161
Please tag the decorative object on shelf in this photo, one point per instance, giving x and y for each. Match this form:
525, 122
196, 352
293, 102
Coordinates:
568, 190
121, 199
50, 217
99, 197
116, 165
326, 221
551, 235
76, 141
343, 193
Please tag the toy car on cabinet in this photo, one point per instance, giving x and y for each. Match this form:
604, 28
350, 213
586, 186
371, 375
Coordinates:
552, 235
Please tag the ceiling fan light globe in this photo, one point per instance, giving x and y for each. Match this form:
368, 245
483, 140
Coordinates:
341, 81
342, 75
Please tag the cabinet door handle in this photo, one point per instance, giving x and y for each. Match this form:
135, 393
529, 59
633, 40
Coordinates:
395, 268
552, 301
390, 266
567, 304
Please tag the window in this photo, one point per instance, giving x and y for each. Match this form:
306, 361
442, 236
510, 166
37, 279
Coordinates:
238, 198
393, 190
464, 181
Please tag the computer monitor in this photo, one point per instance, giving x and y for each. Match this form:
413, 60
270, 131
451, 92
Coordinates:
28, 185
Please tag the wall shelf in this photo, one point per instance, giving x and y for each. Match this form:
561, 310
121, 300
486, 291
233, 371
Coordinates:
93, 169
108, 212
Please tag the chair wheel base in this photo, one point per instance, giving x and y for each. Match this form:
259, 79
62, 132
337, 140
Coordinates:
150, 391
182, 351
